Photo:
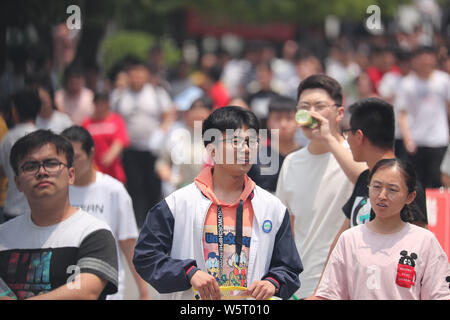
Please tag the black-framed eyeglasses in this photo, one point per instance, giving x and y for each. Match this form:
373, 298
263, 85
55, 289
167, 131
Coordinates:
318, 106
346, 131
238, 142
49, 165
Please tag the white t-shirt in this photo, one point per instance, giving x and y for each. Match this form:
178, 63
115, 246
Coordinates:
314, 188
388, 89
57, 122
425, 102
445, 166
233, 73
142, 112
16, 203
108, 200
407, 265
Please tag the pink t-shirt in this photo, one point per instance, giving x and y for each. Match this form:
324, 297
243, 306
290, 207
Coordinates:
407, 265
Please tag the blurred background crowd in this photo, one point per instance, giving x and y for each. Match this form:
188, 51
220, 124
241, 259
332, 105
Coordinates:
132, 71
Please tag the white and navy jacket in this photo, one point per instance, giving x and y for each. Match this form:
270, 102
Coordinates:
172, 240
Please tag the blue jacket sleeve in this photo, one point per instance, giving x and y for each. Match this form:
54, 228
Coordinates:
152, 253
285, 265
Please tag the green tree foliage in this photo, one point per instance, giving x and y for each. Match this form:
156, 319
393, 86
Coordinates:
141, 14
165, 17
292, 11
136, 44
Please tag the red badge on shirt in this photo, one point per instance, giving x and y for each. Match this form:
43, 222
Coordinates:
406, 274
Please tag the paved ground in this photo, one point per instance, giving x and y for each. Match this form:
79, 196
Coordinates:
131, 290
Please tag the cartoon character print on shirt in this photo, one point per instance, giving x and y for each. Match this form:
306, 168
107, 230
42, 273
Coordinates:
238, 276
361, 211
212, 265
406, 274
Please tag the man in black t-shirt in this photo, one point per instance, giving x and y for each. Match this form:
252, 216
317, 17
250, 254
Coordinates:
371, 138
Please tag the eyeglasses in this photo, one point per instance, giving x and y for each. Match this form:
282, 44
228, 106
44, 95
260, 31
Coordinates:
319, 106
238, 142
49, 165
346, 131
391, 193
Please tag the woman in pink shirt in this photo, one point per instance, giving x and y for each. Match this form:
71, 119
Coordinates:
387, 258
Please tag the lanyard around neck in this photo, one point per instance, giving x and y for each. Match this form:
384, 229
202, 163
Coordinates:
238, 237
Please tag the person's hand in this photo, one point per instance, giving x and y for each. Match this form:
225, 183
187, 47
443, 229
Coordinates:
206, 285
410, 145
261, 290
107, 159
322, 131
144, 295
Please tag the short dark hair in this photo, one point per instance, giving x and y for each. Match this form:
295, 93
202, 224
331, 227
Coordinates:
27, 104
282, 103
138, 64
375, 118
322, 81
424, 49
37, 82
79, 134
101, 96
409, 175
230, 117
403, 55
37, 139
265, 65
214, 73
72, 71
204, 101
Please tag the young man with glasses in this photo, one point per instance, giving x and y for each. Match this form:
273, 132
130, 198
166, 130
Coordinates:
57, 251
221, 230
311, 183
371, 139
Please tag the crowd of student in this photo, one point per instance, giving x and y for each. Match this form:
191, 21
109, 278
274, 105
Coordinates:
332, 212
